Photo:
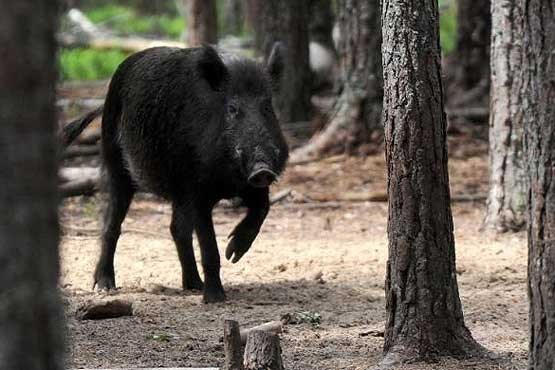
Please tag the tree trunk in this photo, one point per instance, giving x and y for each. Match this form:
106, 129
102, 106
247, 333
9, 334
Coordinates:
425, 317
538, 64
203, 22
358, 109
470, 62
263, 352
233, 348
287, 21
30, 308
506, 205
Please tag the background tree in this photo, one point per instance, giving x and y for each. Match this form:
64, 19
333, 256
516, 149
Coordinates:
358, 109
469, 66
30, 310
234, 18
538, 64
425, 318
287, 21
321, 22
506, 205
202, 27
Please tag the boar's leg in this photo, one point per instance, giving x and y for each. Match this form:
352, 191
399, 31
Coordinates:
213, 290
258, 205
120, 192
182, 231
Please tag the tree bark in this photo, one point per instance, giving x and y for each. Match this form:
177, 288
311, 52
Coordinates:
470, 61
287, 21
425, 317
232, 346
506, 205
254, 23
203, 22
538, 64
30, 308
263, 352
358, 109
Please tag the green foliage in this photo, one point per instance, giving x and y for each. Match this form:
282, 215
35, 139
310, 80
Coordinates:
125, 20
448, 25
89, 64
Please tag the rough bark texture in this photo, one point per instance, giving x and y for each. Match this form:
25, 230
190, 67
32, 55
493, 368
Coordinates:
233, 347
506, 205
539, 125
203, 22
358, 109
263, 352
425, 318
287, 21
472, 54
30, 309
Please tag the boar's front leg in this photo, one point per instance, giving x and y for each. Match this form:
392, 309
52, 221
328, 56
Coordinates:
182, 231
213, 289
258, 205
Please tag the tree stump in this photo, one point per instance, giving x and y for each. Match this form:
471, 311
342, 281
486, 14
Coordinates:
232, 346
262, 352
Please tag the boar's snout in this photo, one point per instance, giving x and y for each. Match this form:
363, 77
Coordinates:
261, 176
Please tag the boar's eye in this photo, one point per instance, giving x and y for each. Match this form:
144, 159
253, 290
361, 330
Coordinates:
232, 109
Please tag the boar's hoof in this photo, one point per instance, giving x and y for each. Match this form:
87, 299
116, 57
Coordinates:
193, 284
214, 295
104, 284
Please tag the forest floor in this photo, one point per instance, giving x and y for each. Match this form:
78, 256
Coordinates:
323, 250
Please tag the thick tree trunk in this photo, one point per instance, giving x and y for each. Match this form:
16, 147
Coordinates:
470, 62
358, 109
203, 22
425, 317
287, 21
539, 125
263, 351
506, 205
30, 308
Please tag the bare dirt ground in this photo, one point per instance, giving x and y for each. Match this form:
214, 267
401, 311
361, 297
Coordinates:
321, 250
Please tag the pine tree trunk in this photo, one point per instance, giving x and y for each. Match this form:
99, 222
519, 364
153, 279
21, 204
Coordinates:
254, 22
506, 205
358, 109
233, 16
470, 62
30, 308
203, 22
287, 21
539, 125
321, 22
425, 317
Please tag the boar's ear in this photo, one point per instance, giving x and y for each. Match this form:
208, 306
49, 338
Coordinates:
212, 68
275, 64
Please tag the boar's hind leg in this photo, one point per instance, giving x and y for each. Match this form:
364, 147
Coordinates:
182, 231
213, 290
120, 192
258, 205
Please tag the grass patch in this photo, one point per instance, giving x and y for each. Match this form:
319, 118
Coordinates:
89, 64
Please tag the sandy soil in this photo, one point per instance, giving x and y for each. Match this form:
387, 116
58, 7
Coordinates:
327, 258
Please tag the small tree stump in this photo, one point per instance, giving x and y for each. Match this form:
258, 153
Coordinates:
232, 346
262, 351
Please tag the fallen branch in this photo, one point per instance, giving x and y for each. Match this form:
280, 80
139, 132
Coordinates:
87, 186
81, 151
77, 173
279, 196
105, 310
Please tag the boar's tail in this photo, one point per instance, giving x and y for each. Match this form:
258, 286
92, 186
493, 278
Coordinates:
74, 128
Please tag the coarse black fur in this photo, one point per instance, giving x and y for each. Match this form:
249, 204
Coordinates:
194, 127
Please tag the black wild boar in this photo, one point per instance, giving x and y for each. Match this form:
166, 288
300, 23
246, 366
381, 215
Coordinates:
193, 127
